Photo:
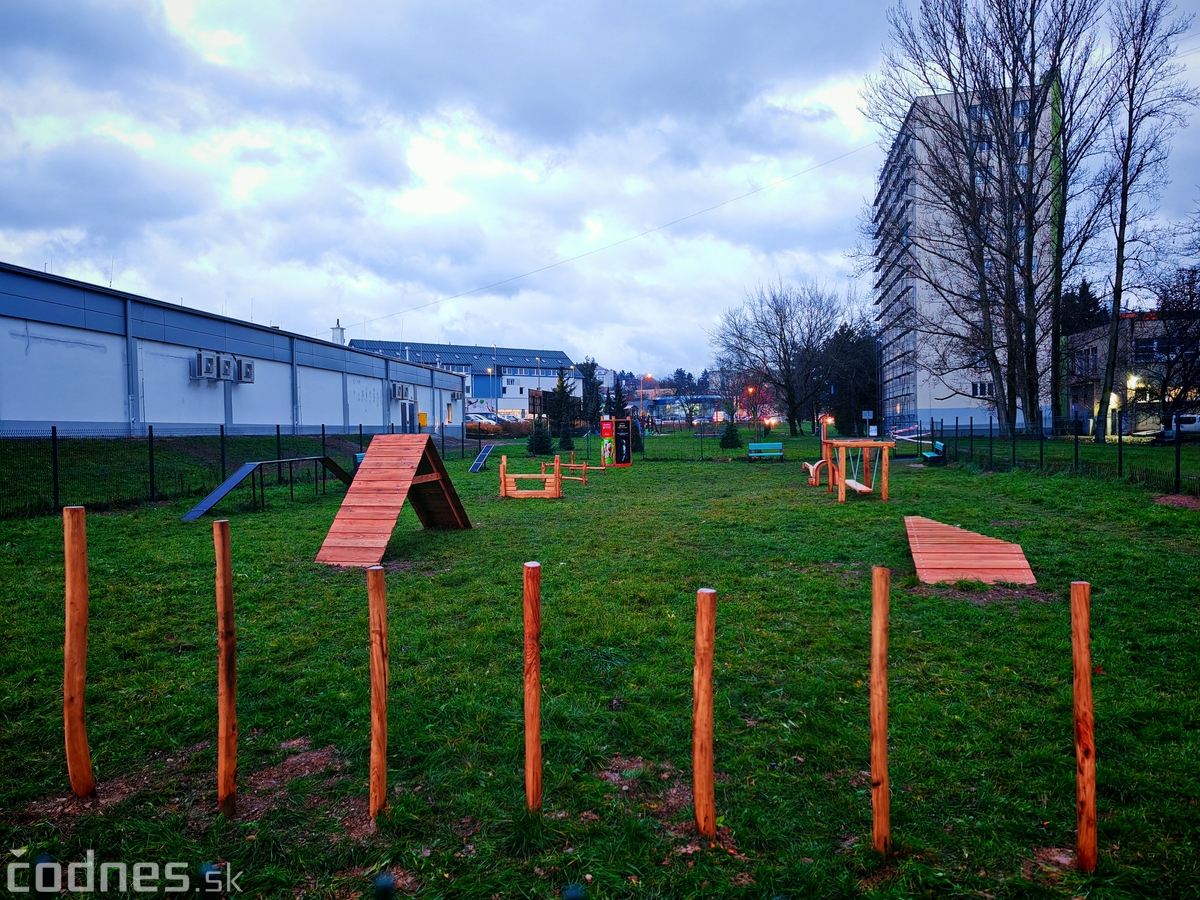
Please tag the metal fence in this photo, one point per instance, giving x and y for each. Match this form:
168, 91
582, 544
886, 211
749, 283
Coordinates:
1167, 466
43, 470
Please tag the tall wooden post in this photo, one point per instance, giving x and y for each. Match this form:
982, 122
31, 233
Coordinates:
533, 685
377, 598
702, 714
1085, 725
881, 585
226, 674
887, 452
75, 564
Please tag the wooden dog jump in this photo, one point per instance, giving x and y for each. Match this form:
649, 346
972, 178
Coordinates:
551, 483
573, 466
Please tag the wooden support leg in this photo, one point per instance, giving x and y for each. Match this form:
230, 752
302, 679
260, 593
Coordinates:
884, 473
841, 475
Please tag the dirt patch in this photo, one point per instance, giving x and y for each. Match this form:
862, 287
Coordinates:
875, 881
1048, 865
267, 788
1181, 501
62, 808
989, 594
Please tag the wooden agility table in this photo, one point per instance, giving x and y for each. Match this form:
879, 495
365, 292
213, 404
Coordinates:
866, 445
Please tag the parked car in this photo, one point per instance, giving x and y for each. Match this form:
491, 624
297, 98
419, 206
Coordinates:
1189, 429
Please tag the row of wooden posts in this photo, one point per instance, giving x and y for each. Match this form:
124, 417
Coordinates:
79, 765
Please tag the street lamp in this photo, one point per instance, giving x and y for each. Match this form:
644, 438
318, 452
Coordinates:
642, 394
493, 386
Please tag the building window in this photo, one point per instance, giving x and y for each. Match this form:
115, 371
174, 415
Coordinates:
983, 143
1021, 140
520, 390
983, 389
976, 114
1021, 170
1020, 109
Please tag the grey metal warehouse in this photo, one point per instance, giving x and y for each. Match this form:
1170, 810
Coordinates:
90, 359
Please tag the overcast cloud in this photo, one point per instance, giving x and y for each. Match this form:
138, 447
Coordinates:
315, 161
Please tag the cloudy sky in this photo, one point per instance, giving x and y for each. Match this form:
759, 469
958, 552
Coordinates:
301, 162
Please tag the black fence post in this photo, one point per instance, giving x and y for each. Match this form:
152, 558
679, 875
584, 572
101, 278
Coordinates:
956, 438
1042, 447
360, 446
443, 440
478, 438
1120, 453
1075, 428
1013, 464
278, 456
150, 445
991, 441
222, 454
1178, 445
971, 440
392, 427
54, 464
324, 452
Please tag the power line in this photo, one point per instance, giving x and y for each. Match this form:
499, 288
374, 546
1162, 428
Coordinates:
634, 237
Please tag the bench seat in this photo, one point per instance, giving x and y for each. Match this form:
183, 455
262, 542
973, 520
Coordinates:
765, 451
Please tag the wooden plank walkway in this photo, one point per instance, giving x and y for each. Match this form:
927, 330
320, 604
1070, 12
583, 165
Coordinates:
945, 553
395, 467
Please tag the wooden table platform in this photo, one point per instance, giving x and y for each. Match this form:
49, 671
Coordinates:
945, 553
395, 467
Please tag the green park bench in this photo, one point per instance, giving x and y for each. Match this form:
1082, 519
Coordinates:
936, 456
765, 451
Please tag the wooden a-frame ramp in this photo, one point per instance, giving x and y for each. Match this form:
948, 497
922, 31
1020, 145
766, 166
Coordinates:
396, 467
946, 553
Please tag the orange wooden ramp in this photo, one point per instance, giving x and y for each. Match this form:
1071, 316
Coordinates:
396, 467
945, 553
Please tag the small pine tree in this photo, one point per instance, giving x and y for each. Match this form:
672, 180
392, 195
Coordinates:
730, 439
636, 439
566, 442
539, 442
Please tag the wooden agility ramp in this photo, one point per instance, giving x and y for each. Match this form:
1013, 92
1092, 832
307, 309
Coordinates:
945, 553
395, 467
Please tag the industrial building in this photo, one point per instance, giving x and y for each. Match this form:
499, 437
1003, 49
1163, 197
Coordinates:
497, 379
93, 360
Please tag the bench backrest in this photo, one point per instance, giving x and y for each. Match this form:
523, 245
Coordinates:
939, 447
778, 446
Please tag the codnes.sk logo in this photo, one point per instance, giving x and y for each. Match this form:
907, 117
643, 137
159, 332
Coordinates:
44, 876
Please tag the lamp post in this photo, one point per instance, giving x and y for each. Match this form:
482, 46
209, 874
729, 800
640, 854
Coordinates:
492, 383
753, 409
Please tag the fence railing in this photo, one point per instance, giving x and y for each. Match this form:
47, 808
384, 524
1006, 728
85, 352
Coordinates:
42, 470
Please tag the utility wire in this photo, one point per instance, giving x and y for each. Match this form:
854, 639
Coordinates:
634, 237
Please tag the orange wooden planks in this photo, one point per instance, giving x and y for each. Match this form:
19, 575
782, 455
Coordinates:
946, 553
396, 467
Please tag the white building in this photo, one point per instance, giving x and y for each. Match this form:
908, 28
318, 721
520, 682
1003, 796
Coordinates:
90, 359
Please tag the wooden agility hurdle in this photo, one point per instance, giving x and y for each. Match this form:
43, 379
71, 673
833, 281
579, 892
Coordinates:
551, 488
573, 466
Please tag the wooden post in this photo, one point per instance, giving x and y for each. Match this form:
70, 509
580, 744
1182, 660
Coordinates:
558, 478
226, 674
703, 796
533, 685
883, 493
75, 564
503, 473
377, 599
881, 586
841, 476
1085, 723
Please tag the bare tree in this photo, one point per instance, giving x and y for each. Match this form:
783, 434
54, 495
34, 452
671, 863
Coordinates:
992, 103
777, 336
1150, 103
1169, 362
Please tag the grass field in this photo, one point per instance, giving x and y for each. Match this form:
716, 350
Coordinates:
982, 761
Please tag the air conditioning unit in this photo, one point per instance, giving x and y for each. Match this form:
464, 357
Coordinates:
245, 371
226, 368
206, 364
400, 391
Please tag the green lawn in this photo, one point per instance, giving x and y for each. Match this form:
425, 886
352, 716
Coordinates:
982, 760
